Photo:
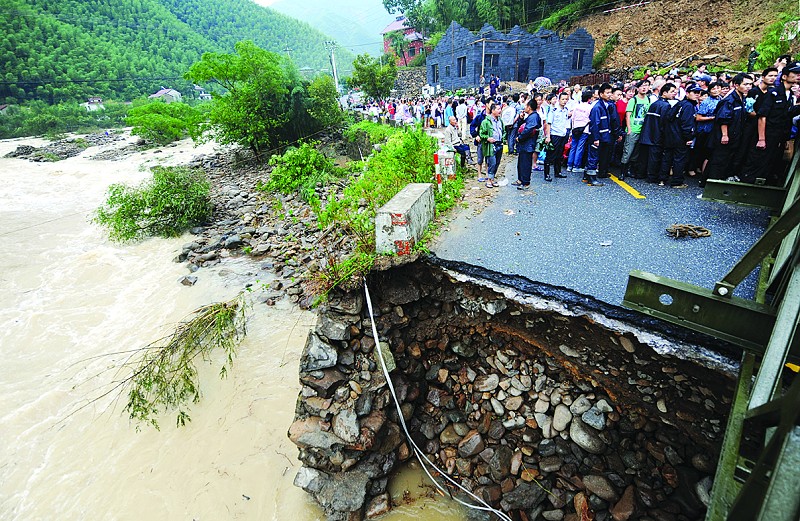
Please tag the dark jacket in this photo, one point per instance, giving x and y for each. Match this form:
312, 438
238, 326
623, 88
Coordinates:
779, 112
528, 131
730, 111
679, 124
653, 124
604, 122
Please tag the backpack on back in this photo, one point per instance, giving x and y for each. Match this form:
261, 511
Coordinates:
475, 126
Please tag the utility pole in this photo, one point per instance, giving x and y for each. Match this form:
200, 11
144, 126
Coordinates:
331, 46
288, 52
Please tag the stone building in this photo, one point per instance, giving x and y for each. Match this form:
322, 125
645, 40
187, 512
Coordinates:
461, 56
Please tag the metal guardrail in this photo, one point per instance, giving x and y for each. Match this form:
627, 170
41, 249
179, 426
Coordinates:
764, 485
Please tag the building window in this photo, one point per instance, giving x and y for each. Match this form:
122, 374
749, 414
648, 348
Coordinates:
491, 60
435, 72
541, 68
461, 64
577, 59
447, 71
412, 51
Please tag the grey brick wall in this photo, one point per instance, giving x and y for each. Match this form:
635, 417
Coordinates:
518, 55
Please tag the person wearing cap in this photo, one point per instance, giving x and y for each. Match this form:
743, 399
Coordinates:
679, 134
705, 125
652, 136
773, 125
728, 135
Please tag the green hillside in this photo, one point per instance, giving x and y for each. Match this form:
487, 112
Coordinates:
62, 50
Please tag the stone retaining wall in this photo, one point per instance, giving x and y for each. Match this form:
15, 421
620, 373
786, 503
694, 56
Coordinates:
540, 414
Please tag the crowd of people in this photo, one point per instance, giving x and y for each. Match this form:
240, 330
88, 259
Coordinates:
661, 128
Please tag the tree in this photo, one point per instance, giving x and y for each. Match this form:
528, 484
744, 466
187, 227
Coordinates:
399, 44
164, 123
266, 104
375, 80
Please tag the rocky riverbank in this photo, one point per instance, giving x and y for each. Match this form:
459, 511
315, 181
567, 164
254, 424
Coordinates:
64, 148
541, 415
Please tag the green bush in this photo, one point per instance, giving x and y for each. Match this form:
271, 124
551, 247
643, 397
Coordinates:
771, 45
418, 61
164, 123
175, 199
300, 169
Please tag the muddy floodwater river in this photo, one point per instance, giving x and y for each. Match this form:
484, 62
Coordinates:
69, 299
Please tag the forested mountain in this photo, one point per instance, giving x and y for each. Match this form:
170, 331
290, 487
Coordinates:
59, 50
355, 24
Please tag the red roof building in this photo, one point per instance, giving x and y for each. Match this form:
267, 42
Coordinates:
415, 40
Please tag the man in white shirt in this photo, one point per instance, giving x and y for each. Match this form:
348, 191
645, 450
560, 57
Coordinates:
556, 134
461, 116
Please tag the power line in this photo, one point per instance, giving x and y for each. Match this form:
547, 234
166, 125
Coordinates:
104, 80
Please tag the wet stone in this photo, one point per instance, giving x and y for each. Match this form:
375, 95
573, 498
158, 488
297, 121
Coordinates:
496, 430
594, 418
550, 463
471, 445
486, 383
449, 436
561, 417
600, 486
586, 437
547, 448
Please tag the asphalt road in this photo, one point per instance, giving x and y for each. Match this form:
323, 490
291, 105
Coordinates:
588, 239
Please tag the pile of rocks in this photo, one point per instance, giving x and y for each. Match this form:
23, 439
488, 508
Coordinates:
281, 231
540, 415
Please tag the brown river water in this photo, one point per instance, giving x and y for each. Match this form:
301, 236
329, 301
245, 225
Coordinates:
69, 298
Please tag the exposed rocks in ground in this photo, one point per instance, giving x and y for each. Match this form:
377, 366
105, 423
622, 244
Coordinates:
536, 413
664, 32
64, 148
280, 231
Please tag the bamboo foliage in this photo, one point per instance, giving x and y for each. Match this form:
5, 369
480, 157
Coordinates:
164, 374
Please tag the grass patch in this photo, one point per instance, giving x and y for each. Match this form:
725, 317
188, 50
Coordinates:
602, 55
366, 130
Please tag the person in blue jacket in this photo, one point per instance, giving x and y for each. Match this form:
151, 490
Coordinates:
604, 130
729, 133
652, 135
680, 128
527, 134
773, 125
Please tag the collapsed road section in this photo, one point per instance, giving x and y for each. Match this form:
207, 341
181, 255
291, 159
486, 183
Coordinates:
539, 402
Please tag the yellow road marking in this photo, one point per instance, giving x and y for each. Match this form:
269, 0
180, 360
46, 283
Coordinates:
628, 188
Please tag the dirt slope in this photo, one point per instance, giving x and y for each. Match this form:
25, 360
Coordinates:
668, 30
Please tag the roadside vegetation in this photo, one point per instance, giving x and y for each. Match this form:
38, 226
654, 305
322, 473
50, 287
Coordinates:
405, 156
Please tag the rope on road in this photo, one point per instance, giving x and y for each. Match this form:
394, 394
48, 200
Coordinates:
688, 230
